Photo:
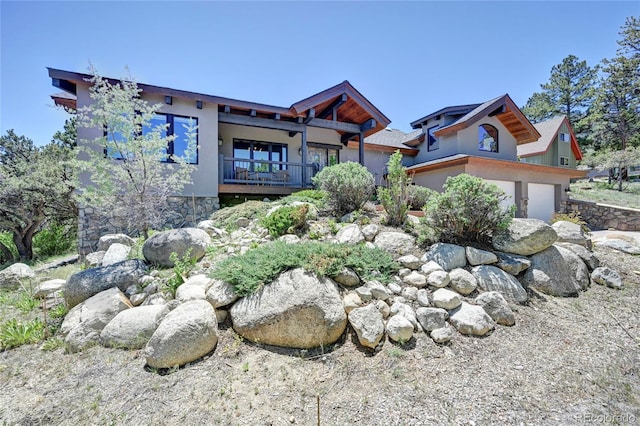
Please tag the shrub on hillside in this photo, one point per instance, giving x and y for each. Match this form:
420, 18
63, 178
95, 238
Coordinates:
349, 185
313, 196
260, 266
573, 217
54, 240
226, 218
286, 220
395, 196
469, 210
419, 196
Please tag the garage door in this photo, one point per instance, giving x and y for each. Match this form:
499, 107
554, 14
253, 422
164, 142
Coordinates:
541, 201
509, 188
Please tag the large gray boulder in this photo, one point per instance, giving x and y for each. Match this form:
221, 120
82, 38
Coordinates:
587, 256
132, 328
368, 325
297, 310
83, 324
471, 319
48, 287
569, 232
448, 256
221, 294
432, 318
512, 263
84, 284
462, 281
16, 275
116, 253
157, 249
397, 243
399, 329
477, 256
185, 334
491, 278
557, 271
446, 299
607, 276
620, 245
525, 237
350, 234
107, 240
497, 307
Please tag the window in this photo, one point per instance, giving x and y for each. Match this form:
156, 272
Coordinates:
178, 126
487, 138
433, 143
263, 154
564, 137
564, 161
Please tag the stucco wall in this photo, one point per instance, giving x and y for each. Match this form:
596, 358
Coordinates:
374, 160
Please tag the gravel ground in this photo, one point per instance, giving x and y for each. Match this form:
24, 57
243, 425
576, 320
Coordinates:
566, 361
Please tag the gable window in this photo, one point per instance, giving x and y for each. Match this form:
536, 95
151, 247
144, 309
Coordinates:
564, 161
487, 138
433, 142
564, 137
263, 154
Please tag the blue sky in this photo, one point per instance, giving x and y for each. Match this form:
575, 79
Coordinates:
408, 58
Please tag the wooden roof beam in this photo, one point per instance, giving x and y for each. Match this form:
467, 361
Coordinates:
64, 85
347, 137
310, 116
332, 109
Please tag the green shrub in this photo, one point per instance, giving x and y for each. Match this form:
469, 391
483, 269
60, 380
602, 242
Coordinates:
11, 252
226, 218
348, 185
59, 311
27, 303
258, 267
395, 197
14, 333
573, 217
469, 210
419, 196
181, 269
54, 240
286, 220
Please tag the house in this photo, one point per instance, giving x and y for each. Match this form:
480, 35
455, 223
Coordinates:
556, 147
483, 140
244, 147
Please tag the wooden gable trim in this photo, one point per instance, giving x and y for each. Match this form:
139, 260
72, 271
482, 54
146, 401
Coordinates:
575, 148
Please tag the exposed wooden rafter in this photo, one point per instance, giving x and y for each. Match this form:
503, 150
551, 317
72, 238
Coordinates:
332, 109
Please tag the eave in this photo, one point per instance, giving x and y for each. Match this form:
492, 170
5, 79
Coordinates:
383, 148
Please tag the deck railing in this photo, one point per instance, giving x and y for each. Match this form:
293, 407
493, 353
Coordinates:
261, 172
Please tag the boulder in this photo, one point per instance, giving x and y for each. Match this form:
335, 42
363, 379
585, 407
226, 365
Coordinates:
185, 334
443, 335
409, 261
132, 328
350, 234
607, 276
471, 319
16, 275
347, 277
368, 325
351, 301
107, 240
94, 259
512, 263
446, 299
569, 232
620, 245
297, 310
415, 279
410, 293
209, 227
397, 243
448, 256
497, 307
439, 279
48, 287
480, 257
402, 309
423, 297
370, 231
378, 290
289, 239
221, 294
83, 324
525, 237
491, 278
201, 280
364, 293
432, 318
399, 329
557, 271
430, 267
89, 282
384, 309
587, 256
116, 253
188, 292
462, 281
158, 248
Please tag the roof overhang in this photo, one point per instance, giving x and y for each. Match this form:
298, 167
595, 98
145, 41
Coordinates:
447, 111
575, 148
383, 148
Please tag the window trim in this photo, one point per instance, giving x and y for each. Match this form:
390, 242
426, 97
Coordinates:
565, 163
496, 138
568, 137
436, 141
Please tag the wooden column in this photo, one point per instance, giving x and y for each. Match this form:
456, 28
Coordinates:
303, 135
361, 149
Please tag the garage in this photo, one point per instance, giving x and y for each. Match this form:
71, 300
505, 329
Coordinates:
542, 201
509, 188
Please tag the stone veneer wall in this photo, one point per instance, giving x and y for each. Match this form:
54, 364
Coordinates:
92, 224
602, 216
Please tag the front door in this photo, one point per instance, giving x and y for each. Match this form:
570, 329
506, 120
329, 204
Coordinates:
322, 157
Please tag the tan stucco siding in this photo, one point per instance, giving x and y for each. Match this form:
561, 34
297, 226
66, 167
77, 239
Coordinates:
375, 161
435, 179
468, 141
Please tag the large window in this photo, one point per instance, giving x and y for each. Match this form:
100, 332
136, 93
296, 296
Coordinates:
564, 137
178, 127
263, 154
487, 138
433, 142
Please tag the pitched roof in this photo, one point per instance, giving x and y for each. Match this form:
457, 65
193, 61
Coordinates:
505, 110
447, 111
392, 137
548, 134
